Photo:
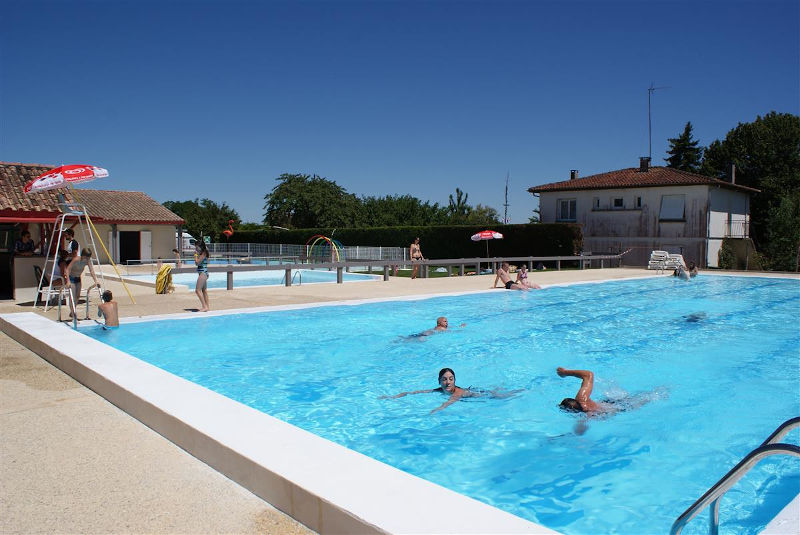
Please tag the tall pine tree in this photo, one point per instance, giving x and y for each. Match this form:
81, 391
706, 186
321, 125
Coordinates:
684, 152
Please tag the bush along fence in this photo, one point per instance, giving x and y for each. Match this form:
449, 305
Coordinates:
557, 239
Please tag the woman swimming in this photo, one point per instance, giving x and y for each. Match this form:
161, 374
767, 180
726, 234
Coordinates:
201, 260
447, 385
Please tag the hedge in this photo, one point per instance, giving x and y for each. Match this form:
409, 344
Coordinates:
555, 239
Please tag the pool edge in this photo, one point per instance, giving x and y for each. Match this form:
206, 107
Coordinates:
327, 487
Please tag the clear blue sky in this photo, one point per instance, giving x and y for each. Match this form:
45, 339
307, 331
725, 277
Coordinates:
217, 99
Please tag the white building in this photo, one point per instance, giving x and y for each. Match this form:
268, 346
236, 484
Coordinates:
649, 208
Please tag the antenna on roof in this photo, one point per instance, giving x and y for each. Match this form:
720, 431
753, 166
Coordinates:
649, 123
505, 204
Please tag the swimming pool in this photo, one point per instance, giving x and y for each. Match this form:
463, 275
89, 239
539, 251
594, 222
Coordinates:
218, 279
717, 387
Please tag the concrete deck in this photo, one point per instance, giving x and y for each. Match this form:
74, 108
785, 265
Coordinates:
72, 462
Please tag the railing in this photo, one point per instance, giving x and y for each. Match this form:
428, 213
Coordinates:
737, 228
462, 264
714, 495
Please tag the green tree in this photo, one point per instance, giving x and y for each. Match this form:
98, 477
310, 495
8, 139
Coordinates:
483, 215
684, 152
399, 210
783, 233
766, 154
204, 217
458, 209
306, 201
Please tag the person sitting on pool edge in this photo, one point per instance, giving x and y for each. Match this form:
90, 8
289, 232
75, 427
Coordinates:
502, 275
108, 310
522, 278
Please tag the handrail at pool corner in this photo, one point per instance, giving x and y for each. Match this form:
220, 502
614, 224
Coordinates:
769, 447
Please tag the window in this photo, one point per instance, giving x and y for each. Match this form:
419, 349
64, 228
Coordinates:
618, 203
638, 202
596, 203
566, 210
672, 208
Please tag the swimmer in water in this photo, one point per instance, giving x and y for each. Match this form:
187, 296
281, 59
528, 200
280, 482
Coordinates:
582, 402
441, 326
695, 317
447, 385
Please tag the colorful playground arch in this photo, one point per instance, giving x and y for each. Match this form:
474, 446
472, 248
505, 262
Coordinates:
328, 248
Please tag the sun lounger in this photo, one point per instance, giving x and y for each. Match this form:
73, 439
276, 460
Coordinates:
674, 261
658, 260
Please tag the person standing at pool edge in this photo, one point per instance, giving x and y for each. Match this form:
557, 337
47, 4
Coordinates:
415, 252
201, 260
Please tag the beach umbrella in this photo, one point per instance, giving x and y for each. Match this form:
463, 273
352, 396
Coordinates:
65, 175
487, 235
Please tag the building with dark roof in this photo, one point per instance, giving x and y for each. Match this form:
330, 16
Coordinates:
648, 208
131, 225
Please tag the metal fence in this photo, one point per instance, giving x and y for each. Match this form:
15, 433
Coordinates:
321, 252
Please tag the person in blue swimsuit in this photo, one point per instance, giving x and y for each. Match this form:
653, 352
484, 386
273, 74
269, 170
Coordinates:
201, 260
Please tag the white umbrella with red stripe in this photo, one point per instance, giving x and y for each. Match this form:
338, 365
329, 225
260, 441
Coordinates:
487, 235
65, 175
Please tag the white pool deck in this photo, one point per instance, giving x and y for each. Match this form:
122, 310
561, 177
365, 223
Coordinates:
326, 487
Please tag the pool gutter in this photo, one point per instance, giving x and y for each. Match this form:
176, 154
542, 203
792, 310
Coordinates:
327, 487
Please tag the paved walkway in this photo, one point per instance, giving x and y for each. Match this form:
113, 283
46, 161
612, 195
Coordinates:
70, 462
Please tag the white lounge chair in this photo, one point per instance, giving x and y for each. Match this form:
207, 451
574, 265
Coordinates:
675, 261
658, 260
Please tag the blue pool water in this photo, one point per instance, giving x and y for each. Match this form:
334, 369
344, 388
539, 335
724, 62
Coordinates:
717, 358
261, 278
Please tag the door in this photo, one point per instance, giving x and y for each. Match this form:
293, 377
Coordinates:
146, 246
129, 249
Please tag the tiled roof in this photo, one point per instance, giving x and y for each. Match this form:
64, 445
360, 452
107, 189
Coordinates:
124, 206
13, 177
634, 178
102, 206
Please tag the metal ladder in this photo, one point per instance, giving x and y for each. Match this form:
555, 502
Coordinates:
46, 291
769, 447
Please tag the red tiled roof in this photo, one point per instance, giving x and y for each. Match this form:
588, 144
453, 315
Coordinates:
634, 178
124, 207
102, 206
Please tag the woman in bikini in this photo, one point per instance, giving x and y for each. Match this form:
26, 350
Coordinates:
522, 278
201, 260
415, 253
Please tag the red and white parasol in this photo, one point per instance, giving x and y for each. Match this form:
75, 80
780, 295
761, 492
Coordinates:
487, 235
64, 176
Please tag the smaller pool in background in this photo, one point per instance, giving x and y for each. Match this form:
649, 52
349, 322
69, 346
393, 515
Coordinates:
261, 278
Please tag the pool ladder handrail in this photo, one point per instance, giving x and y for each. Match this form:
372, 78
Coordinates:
296, 274
769, 447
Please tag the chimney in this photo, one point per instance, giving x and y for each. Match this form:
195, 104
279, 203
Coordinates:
732, 173
573, 174
644, 164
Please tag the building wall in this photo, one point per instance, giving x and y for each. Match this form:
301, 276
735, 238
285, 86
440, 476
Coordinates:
162, 240
729, 215
637, 223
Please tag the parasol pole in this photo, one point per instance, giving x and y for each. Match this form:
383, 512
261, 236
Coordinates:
110, 259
